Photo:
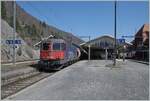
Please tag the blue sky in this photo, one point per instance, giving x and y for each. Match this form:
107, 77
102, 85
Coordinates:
94, 18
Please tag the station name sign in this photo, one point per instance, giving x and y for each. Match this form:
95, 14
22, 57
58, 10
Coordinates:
13, 41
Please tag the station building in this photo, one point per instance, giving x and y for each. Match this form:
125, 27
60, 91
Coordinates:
100, 47
140, 44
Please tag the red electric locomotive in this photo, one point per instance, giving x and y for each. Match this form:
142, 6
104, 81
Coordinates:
54, 53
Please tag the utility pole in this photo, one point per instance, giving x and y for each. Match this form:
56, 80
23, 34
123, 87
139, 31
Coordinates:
89, 56
14, 32
124, 47
106, 54
115, 22
70, 41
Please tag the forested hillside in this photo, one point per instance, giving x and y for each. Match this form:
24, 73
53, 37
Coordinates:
30, 28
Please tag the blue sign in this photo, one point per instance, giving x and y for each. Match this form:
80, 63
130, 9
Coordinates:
127, 36
121, 41
13, 42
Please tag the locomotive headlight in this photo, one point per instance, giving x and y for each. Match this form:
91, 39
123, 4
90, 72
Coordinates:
51, 57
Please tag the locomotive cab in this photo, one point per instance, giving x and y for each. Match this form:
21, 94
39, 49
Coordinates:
52, 50
45, 49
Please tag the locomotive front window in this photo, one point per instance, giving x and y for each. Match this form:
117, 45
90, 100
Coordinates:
63, 46
45, 46
56, 46
59, 46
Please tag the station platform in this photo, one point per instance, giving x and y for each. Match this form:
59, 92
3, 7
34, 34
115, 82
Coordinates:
92, 81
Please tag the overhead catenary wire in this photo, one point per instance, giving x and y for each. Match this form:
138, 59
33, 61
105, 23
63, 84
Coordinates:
37, 11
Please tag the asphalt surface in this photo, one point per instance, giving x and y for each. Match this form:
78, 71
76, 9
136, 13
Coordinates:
92, 81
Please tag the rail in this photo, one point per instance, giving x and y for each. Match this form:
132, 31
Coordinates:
7, 63
14, 87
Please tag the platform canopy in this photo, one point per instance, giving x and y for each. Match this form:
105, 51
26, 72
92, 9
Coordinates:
101, 43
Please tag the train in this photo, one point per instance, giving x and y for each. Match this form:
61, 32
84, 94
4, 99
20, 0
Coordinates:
57, 53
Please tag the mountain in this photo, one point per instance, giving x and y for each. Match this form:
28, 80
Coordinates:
31, 29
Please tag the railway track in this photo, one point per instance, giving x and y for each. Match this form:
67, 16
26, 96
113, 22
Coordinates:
14, 84
11, 88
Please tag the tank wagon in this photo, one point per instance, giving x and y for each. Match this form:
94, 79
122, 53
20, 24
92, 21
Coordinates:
55, 53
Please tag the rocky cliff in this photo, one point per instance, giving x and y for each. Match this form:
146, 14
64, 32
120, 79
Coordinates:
23, 50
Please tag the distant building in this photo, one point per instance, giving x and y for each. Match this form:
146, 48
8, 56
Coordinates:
141, 43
